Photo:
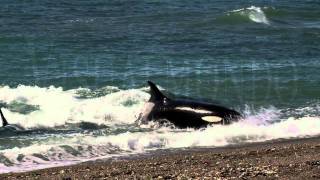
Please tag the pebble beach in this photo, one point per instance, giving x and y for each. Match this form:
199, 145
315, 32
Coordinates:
286, 159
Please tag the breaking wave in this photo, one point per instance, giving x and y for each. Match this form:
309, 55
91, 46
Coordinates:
109, 116
51, 107
249, 14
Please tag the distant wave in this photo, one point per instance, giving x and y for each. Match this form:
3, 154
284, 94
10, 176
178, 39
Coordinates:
249, 14
255, 14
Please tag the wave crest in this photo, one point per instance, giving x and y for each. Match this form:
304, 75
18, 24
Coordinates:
249, 14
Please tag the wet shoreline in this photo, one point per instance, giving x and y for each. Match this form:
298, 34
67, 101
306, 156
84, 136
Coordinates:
285, 159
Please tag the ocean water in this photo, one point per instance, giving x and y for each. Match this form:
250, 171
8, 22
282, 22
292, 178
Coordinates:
73, 74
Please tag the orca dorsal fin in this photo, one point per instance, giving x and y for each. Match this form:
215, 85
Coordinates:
156, 94
4, 121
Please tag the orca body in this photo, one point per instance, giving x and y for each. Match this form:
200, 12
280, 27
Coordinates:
7, 126
185, 113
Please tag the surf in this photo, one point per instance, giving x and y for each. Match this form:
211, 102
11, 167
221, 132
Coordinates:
91, 125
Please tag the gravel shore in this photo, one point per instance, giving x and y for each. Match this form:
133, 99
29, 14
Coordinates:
286, 159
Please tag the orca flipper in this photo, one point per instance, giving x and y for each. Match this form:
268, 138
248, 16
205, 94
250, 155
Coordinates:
156, 94
4, 120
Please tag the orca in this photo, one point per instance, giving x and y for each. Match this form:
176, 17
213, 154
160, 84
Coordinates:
4, 120
184, 113
6, 125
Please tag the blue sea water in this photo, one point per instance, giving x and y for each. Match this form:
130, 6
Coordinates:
73, 73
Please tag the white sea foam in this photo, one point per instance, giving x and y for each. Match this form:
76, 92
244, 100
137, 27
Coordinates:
81, 147
58, 107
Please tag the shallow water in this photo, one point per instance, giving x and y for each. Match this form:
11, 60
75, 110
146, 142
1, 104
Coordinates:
73, 74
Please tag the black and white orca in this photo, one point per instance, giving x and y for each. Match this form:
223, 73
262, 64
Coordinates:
4, 120
6, 125
184, 113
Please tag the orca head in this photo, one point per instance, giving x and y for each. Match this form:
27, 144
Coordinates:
4, 120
